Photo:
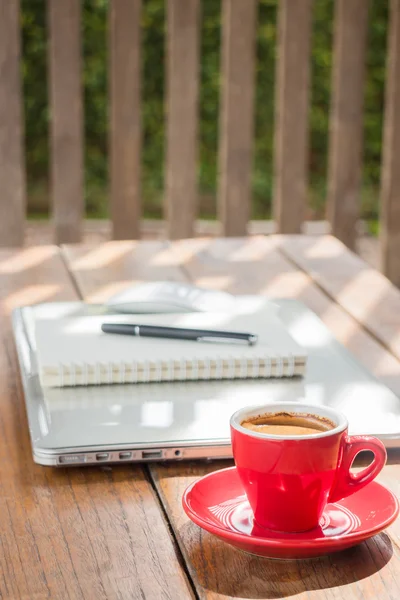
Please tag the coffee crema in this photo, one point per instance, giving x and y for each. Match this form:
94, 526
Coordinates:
285, 423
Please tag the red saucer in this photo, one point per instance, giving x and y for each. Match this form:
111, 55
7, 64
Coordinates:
217, 503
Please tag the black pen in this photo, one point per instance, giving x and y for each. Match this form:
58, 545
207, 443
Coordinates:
179, 333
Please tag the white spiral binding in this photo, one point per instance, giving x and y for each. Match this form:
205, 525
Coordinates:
170, 370
206, 368
255, 367
158, 373
218, 368
231, 370
268, 366
85, 374
61, 374
97, 374
279, 366
146, 371
182, 369
163, 375
195, 369
243, 368
72, 374
290, 366
134, 373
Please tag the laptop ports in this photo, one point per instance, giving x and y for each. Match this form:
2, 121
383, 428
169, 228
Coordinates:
102, 456
151, 454
125, 455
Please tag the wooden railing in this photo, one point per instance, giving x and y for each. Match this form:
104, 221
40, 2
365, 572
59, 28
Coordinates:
236, 120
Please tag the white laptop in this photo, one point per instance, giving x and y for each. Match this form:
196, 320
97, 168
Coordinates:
189, 420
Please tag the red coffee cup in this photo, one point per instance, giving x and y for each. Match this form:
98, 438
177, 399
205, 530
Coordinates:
289, 480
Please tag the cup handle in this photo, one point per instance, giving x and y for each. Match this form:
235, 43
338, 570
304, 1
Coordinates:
347, 482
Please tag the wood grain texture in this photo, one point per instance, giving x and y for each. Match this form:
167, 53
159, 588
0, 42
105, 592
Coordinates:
242, 265
364, 293
125, 126
346, 118
221, 572
236, 115
78, 533
101, 271
291, 114
12, 163
66, 119
254, 265
258, 265
390, 192
183, 46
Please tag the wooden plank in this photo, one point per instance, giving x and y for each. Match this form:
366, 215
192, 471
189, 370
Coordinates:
252, 265
70, 533
255, 264
66, 123
236, 115
390, 193
99, 230
346, 118
364, 293
125, 134
106, 269
291, 114
220, 571
183, 42
12, 167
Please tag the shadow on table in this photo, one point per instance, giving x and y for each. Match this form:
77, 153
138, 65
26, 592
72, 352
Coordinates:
222, 569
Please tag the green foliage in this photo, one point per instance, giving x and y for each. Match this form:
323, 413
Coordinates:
34, 70
209, 99
264, 108
94, 40
153, 58
95, 74
374, 106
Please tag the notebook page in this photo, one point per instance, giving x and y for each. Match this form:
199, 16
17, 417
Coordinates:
80, 340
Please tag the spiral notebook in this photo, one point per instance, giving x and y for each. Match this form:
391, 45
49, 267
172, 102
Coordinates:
74, 351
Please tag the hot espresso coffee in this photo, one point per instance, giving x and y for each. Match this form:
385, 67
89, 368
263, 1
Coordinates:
285, 423
293, 458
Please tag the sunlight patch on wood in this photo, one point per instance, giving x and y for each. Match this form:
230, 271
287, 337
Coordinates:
245, 249
23, 260
217, 282
354, 293
325, 247
99, 256
31, 294
166, 257
105, 292
285, 285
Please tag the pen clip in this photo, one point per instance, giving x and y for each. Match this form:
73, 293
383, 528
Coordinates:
250, 341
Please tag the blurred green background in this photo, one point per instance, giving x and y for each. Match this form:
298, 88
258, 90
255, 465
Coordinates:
94, 36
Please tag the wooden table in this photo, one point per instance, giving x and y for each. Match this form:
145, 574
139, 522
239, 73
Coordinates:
120, 532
